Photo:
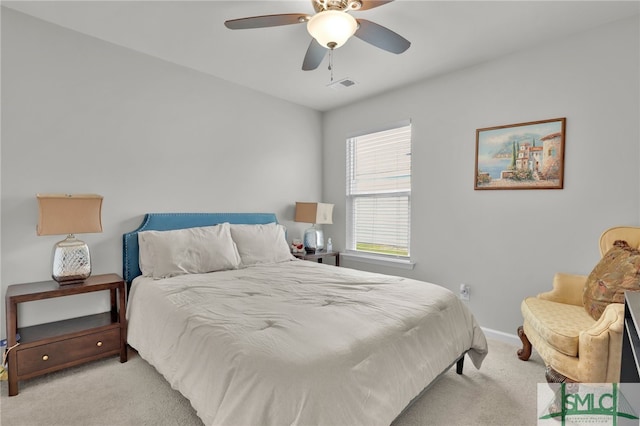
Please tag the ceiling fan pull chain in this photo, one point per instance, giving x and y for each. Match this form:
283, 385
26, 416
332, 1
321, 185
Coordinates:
331, 63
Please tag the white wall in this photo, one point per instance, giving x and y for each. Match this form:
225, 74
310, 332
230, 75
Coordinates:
508, 244
81, 115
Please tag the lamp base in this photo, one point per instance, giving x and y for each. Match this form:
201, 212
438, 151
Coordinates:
313, 240
71, 261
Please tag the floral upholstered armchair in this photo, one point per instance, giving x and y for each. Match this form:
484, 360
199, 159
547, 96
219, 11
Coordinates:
577, 327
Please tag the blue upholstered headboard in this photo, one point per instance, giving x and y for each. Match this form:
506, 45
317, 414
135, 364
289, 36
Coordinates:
169, 221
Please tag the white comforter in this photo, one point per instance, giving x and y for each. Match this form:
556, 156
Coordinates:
299, 342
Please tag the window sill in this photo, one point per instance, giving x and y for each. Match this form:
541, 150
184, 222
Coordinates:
378, 260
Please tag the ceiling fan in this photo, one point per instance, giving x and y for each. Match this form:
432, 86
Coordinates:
331, 26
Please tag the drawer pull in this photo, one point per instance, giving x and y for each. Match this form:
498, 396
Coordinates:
99, 344
45, 357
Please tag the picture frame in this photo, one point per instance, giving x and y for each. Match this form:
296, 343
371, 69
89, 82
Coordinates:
521, 156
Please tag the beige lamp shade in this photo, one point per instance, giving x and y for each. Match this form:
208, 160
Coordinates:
316, 213
69, 214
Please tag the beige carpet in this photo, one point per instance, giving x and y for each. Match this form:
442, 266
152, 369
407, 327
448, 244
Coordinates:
502, 392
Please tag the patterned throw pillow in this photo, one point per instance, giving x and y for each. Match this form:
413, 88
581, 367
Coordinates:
617, 272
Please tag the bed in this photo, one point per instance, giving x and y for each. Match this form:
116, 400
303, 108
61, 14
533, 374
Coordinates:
267, 339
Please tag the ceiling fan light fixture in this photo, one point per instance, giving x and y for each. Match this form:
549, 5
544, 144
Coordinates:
332, 28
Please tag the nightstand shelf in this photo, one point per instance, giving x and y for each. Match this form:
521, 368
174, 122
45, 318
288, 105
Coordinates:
319, 256
37, 334
49, 347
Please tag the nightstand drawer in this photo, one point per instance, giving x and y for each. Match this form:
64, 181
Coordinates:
54, 354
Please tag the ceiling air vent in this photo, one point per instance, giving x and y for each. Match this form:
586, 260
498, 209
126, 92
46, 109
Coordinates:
341, 84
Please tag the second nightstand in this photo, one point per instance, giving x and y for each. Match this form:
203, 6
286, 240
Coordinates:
319, 256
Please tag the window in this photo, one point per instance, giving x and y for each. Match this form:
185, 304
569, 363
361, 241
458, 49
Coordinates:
379, 192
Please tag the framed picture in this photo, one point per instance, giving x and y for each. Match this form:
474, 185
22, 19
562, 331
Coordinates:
521, 156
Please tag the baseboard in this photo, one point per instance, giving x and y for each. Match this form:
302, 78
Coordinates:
511, 339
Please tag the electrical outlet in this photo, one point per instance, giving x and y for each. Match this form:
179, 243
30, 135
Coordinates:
464, 292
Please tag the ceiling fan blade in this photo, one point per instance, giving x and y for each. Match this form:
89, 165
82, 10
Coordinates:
315, 55
366, 5
266, 21
381, 37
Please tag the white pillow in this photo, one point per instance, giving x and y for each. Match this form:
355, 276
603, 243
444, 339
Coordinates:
187, 251
261, 243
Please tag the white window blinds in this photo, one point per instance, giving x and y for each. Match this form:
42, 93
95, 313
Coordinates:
379, 192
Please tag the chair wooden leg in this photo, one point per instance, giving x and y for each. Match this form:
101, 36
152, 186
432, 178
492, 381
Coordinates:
553, 380
553, 376
524, 353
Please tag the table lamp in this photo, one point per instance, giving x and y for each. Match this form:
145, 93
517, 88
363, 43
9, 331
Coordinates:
69, 214
315, 214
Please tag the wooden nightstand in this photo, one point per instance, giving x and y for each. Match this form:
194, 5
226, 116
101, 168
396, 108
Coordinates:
319, 256
49, 347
